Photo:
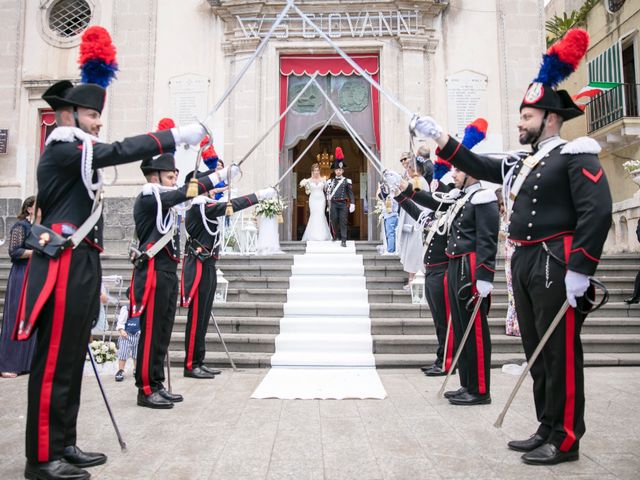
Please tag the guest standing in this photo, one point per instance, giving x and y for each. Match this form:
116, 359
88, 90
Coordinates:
15, 357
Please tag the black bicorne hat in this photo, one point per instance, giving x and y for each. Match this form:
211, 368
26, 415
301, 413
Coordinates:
339, 160
64, 94
546, 98
163, 163
560, 61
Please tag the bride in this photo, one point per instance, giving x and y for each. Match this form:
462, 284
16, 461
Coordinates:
317, 227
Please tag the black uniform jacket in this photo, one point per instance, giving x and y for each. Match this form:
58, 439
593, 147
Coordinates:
474, 229
167, 259
566, 194
434, 252
65, 205
344, 193
199, 238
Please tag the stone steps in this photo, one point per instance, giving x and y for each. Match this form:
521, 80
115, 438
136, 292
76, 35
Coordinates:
403, 333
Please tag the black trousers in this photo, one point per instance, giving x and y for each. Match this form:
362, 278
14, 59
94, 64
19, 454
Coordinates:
435, 288
339, 214
558, 377
156, 324
198, 316
474, 365
63, 329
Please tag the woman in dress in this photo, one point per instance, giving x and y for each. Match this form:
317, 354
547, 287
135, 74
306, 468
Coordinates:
317, 226
409, 234
15, 357
511, 325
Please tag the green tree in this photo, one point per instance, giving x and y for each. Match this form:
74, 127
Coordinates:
557, 26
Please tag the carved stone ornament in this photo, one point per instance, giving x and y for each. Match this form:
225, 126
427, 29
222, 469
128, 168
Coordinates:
311, 99
353, 96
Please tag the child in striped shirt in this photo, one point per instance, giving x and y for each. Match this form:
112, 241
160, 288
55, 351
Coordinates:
129, 331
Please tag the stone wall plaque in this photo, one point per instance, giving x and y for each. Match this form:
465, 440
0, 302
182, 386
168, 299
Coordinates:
4, 140
466, 99
189, 98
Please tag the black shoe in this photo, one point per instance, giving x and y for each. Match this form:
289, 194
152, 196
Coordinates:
549, 454
632, 300
198, 372
531, 443
77, 457
119, 375
155, 400
467, 398
426, 367
455, 393
54, 470
172, 397
435, 371
343, 243
210, 370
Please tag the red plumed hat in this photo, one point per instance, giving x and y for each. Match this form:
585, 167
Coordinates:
339, 155
165, 124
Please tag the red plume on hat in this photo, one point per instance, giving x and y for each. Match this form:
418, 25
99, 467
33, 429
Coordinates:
339, 155
97, 57
209, 155
165, 124
562, 58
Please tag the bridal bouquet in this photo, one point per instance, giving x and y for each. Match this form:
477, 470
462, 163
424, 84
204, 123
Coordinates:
379, 210
270, 208
306, 184
103, 351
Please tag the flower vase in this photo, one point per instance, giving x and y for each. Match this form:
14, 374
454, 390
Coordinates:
268, 236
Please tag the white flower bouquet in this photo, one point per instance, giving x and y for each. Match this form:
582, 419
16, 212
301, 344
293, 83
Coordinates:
631, 166
379, 210
270, 208
306, 184
103, 351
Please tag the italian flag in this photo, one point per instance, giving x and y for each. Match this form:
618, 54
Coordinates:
593, 89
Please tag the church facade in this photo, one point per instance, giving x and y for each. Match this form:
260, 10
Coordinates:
455, 59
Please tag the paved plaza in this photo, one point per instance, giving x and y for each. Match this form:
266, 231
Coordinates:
220, 433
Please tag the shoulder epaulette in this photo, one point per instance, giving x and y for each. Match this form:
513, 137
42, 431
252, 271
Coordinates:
484, 196
581, 145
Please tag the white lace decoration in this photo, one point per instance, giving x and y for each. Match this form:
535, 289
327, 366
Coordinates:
70, 134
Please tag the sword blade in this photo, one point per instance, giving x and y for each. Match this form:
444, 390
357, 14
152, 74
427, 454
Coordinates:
531, 361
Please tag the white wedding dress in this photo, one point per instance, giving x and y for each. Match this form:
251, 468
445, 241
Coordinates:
317, 227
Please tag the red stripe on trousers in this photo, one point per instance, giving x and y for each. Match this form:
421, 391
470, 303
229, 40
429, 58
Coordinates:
482, 384
194, 327
570, 374
59, 307
148, 334
447, 309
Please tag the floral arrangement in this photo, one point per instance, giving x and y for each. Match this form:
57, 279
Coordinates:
631, 166
270, 208
103, 351
379, 210
306, 184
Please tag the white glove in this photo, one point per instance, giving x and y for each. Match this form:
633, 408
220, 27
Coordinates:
352, 208
266, 193
576, 284
225, 174
189, 134
428, 128
484, 288
392, 178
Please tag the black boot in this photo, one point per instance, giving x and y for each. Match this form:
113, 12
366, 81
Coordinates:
77, 457
155, 400
172, 397
54, 470
467, 398
210, 370
454, 393
198, 372
549, 454
531, 443
636, 292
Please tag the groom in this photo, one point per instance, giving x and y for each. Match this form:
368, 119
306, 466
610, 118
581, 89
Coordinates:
340, 198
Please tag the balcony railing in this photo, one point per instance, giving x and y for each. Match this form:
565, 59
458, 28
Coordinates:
617, 103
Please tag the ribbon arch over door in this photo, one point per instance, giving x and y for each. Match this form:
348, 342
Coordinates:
355, 97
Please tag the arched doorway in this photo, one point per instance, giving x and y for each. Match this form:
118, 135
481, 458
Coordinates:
357, 170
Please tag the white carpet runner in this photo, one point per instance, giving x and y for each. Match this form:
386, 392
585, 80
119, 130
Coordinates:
324, 349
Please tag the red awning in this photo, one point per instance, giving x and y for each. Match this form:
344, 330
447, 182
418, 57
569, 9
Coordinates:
326, 64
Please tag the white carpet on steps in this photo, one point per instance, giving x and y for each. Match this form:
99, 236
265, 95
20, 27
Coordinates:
324, 349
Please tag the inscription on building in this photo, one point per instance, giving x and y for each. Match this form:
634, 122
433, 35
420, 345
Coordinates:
189, 98
336, 25
466, 98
